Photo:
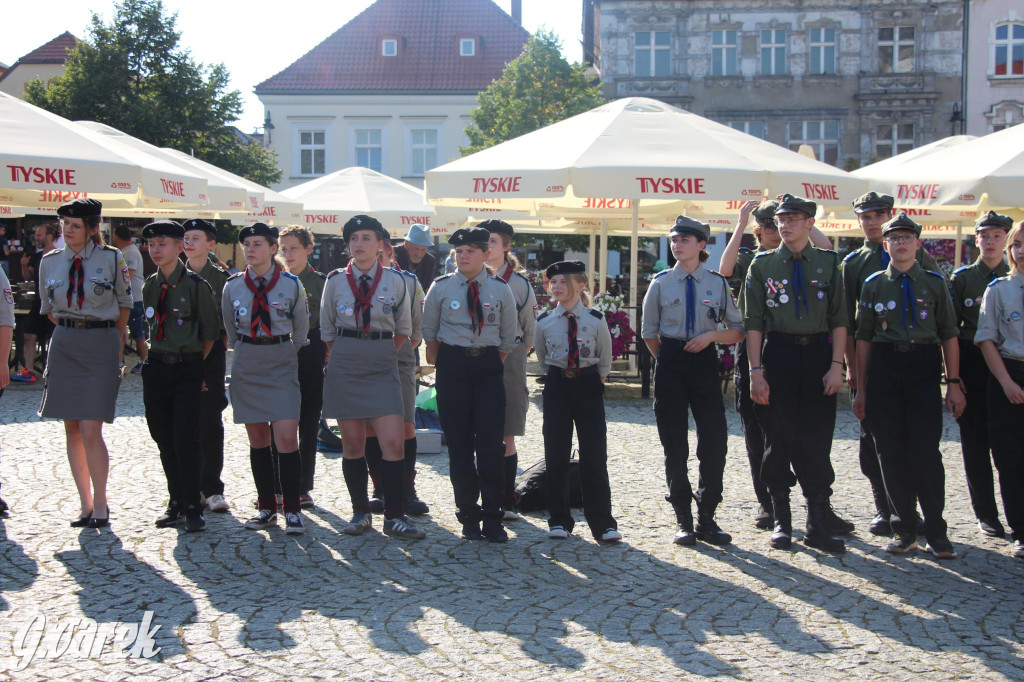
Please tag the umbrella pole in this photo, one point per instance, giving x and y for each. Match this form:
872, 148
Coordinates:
634, 281
959, 245
604, 253
590, 258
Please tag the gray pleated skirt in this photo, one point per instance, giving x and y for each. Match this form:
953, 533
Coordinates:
517, 397
82, 375
407, 376
362, 380
264, 383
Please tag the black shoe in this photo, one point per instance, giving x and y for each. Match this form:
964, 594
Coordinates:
306, 501
98, 523
194, 523
991, 528
836, 524
414, 506
942, 548
817, 533
708, 531
880, 525
902, 544
471, 530
763, 518
327, 440
3, 509
494, 532
82, 521
685, 535
171, 516
782, 532
781, 538
1018, 549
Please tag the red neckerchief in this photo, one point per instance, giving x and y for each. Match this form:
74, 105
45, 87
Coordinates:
363, 302
508, 273
75, 272
260, 307
161, 313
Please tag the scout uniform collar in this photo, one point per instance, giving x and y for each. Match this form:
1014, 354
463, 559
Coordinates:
681, 274
787, 255
480, 279
87, 250
893, 274
358, 273
175, 277
577, 309
1001, 270
1016, 277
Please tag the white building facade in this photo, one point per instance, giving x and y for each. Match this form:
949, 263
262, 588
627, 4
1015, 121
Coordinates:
995, 66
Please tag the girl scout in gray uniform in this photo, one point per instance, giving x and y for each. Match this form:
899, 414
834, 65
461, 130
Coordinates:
86, 291
266, 318
363, 326
1001, 337
6, 334
507, 268
574, 345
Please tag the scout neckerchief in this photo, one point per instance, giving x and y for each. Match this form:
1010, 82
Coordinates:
691, 307
885, 256
75, 273
476, 311
508, 273
799, 289
161, 312
260, 307
908, 301
573, 360
363, 293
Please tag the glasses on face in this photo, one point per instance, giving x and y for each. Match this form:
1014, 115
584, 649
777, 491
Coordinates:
789, 220
899, 238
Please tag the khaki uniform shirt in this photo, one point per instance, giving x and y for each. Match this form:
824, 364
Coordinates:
313, 282
446, 312
526, 301
1002, 316
216, 277
865, 261
880, 311
769, 297
967, 287
594, 341
337, 309
107, 284
6, 301
190, 308
289, 307
664, 307
414, 299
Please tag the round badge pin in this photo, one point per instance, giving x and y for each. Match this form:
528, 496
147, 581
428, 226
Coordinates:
180, 322
1015, 316
349, 312
891, 305
821, 295
924, 315
968, 302
150, 312
770, 303
236, 303
242, 311
98, 290
785, 281
879, 307
784, 298
455, 305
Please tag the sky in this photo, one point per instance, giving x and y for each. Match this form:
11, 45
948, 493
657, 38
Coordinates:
255, 39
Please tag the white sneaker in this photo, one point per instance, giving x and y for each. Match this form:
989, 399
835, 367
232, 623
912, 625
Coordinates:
510, 515
293, 524
557, 533
217, 503
611, 535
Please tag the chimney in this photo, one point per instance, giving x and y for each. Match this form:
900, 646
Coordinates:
517, 11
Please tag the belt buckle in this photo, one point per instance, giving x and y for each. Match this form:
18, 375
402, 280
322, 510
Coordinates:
365, 336
474, 351
802, 340
172, 359
901, 346
570, 373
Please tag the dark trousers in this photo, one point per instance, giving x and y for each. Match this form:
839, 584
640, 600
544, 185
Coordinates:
870, 467
212, 402
753, 434
567, 402
1006, 435
974, 440
904, 407
471, 406
311, 389
799, 419
171, 394
683, 383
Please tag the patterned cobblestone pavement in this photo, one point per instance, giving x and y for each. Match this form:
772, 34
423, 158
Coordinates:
238, 604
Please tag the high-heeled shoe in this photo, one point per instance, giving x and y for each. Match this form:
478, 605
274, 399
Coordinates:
82, 521
99, 523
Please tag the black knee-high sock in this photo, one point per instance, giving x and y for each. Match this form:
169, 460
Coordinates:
511, 467
356, 479
410, 465
290, 464
392, 480
262, 462
374, 456
277, 467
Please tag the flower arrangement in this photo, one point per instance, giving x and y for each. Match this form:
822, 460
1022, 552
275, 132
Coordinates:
612, 307
944, 250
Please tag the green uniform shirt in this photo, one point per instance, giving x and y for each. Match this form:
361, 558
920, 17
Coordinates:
739, 271
215, 277
928, 317
770, 298
191, 312
864, 262
967, 287
313, 283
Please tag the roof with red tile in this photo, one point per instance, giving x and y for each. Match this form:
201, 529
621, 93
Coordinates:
428, 33
53, 52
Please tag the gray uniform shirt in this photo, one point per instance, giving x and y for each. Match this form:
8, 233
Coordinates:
526, 301
7, 302
551, 338
390, 312
107, 284
1002, 316
665, 304
414, 299
446, 312
289, 309
133, 259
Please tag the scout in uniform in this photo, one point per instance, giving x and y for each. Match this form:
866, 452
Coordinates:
1001, 338
183, 326
682, 314
517, 398
363, 326
904, 316
967, 287
86, 290
574, 346
873, 211
265, 313
469, 326
6, 334
793, 302
296, 247
200, 238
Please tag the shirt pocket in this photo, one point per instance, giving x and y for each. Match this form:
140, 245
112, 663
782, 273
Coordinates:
492, 312
282, 307
182, 310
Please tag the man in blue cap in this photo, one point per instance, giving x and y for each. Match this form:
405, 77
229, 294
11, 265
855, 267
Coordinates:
414, 255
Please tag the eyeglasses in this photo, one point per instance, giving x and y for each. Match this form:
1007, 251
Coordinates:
899, 238
788, 221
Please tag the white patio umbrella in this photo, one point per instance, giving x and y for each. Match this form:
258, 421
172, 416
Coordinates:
47, 160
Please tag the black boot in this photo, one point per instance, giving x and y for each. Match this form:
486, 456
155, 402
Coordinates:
708, 531
880, 525
817, 534
836, 524
685, 535
782, 533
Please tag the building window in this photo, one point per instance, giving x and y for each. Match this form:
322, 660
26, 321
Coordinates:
755, 128
773, 52
823, 51
724, 53
822, 136
370, 149
896, 49
893, 138
422, 151
652, 53
1009, 50
467, 47
389, 47
312, 152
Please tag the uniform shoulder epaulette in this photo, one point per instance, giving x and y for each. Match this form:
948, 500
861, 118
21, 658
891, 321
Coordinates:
194, 276
442, 277
763, 254
850, 256
52, 253
873, 275
716, 272
236, 275
936, 274
744, 249
320, 275
335, 272
663, 272
596, 313
406, 273
999, 279
543, 315
107, 247
524, 277
288, 274
961, 269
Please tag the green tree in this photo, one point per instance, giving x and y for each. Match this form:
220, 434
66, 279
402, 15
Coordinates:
132, 75
537, 88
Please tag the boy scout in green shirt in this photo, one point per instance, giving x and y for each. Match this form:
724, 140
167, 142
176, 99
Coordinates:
904, 316
183, 323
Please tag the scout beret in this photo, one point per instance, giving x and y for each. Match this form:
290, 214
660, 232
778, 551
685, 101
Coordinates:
901, 222
163, 228
364, 222
419, 235
80, 208
257, 230
565, 267
993, 219
873, 201
793, 204
684, 226
764, 214
499, 226
470, 236
200, 224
